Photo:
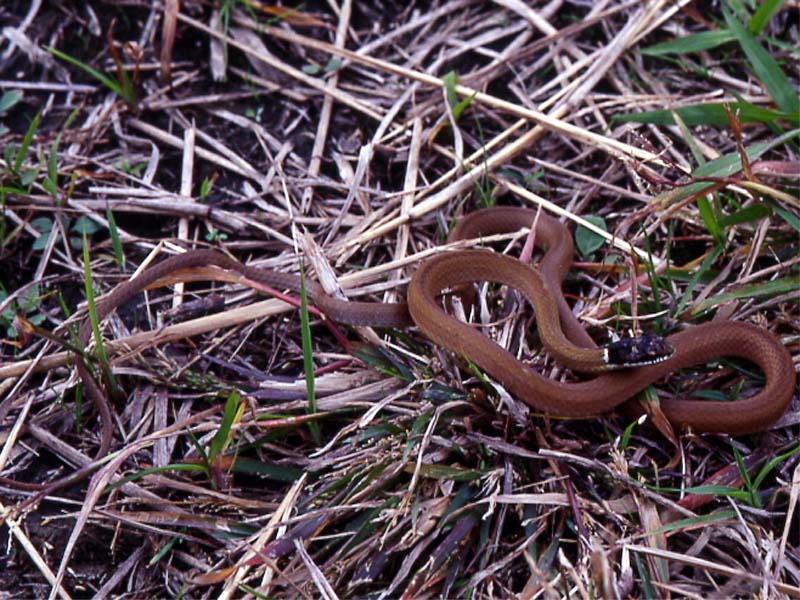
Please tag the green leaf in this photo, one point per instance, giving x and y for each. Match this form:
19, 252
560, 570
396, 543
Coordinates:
9, 152
738, 6
753, 290
587, 240
26, 142
719, 490
419, 425
710, 395
768, 468
110, 83
270, 471
37, 319
728, 164
156, 470
205, 188
694, 522
223, 433
527, 180
49, 186
704, 266
333, 64
100, 349
40, 243
686, 133
9, 99
450, 81
28, 177
748, 484
30, 301
42, 224
626, 436
308, 358
788, 216
382, 361
709, 219
201, 451
787, 47
365, 524
461, 106
710, 114
115, 241
446, 473
696, 42
749, 214
84, 224
765, 68
763, 14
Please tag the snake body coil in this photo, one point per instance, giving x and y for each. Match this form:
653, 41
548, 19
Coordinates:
561, 333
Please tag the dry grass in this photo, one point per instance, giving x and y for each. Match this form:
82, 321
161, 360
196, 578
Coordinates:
328, 134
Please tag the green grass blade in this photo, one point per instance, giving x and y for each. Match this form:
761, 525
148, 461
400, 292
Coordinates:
707, 262
728, 164
164, 551
712, 114
748, 484
308, 358
725, 491
119, 255
417, 427
710, 219
382, 361
51, 181
767, 288
107, 81
229, 416
450, 81
653, 278
100, 350
696, 42
763, 14
625, 438
446, 473
457, 106
787, 47
201, 452
366, 524
788, 216
770, 466
72, 331
697, 522
648, 589
26, 142
689, 139
765, 68
253, 592
185, 467
748, 214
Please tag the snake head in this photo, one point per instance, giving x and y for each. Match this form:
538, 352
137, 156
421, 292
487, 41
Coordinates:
647, 349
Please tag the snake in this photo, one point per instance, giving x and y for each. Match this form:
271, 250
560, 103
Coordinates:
619, 371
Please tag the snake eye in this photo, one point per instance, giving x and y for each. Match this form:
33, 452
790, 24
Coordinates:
647, 349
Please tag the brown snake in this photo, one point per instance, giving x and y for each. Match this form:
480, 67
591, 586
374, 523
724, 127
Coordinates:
559, 329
